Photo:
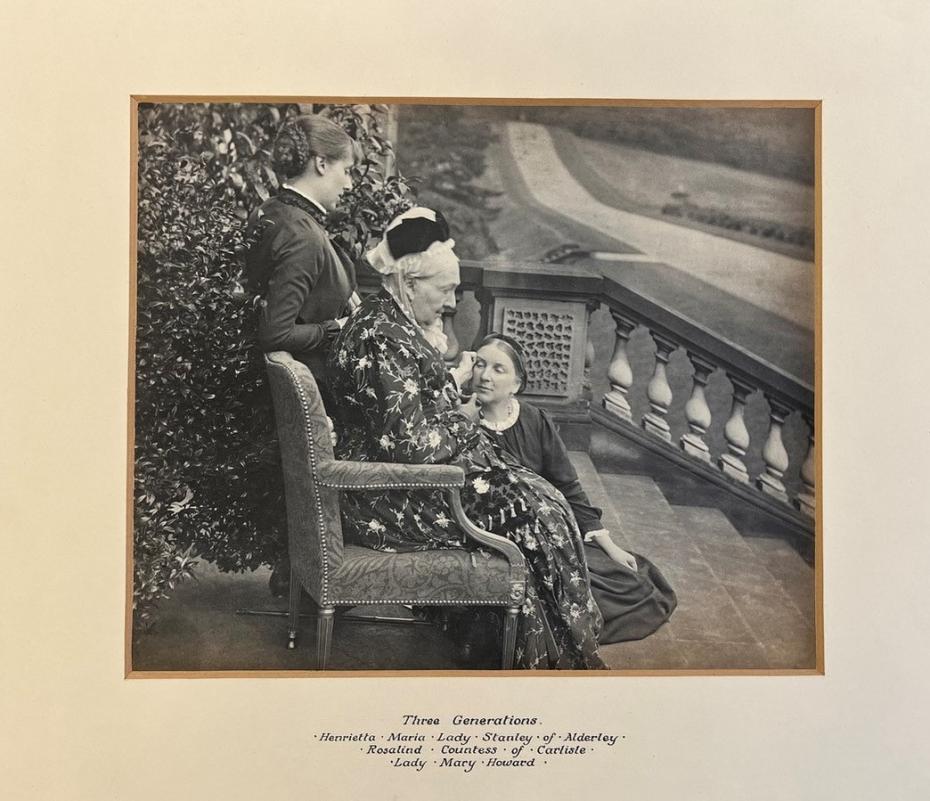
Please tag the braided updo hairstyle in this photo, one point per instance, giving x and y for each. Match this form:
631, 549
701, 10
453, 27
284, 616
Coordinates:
309, 135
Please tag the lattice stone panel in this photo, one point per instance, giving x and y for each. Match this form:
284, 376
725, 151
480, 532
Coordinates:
553, 334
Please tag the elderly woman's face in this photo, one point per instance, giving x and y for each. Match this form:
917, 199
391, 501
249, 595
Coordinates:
494, 377
431, 294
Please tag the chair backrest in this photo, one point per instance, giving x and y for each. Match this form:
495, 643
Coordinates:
314, 527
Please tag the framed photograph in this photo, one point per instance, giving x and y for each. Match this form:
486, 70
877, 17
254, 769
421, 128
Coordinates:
699, 223
652, 269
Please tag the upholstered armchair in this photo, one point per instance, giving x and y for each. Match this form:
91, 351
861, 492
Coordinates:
336, 574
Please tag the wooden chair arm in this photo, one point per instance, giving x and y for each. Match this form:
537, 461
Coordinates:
493, 542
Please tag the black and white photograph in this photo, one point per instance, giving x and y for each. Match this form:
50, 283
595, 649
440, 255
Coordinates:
432, 385
426, 401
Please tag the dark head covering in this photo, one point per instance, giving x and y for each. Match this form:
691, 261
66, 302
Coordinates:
416, 234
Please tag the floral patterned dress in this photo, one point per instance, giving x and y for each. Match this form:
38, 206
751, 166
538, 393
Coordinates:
398, 403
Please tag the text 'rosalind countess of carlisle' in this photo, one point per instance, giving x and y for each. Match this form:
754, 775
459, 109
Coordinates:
467, 743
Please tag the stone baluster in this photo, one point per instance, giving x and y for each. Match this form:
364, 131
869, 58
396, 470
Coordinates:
659, 392
620, 373
697, 411
774, 454
736, 433
807, 498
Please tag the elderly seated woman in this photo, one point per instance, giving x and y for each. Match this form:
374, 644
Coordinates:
633, 596
400, 403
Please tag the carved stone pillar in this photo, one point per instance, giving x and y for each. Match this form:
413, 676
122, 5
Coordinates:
807, 499
659, 392
774, 454
554, 336
697, 411
620, 373
736, 433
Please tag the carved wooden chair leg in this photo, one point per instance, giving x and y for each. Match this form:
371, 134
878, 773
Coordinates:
510, 637
293, 610
324, 635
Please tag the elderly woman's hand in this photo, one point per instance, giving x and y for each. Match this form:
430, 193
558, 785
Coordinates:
467, 361
462, 371
332, 431
470, 408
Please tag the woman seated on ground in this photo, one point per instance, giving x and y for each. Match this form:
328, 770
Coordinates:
633, 596
401, 404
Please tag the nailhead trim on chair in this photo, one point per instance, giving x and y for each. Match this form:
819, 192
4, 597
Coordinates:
388, 486
415, 602
313, 467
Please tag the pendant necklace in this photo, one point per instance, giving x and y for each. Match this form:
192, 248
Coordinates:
513, 411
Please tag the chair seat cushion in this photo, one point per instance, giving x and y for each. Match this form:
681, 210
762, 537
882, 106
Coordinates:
421, 577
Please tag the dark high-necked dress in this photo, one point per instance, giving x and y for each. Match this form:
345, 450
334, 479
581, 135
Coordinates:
399, 403
304, 279
634, 603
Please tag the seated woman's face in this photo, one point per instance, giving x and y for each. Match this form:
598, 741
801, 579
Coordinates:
494, 377
430, 295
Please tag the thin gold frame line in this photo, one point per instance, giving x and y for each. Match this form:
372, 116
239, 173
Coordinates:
815, 105
483, 101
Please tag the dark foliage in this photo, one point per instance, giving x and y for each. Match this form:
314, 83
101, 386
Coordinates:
207, 476
445, 149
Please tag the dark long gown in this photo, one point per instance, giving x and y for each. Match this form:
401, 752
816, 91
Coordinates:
633, 603
399, 403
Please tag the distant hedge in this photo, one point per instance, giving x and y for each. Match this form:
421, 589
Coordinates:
772, 141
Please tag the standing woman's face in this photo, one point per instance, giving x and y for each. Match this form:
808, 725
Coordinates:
335, 177
494, 377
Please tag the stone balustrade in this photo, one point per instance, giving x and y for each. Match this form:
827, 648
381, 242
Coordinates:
549, 309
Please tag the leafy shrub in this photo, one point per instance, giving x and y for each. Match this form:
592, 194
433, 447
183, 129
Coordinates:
207, 474
446, 150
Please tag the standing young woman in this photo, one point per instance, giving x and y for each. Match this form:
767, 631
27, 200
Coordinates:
307, 287
632, 595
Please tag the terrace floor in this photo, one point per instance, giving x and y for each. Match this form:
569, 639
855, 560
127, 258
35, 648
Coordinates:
745, 587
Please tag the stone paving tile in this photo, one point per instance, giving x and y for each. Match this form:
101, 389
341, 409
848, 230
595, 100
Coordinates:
651, 653
779, 557
791, 654
710, 528
703, 655
769, 617
681, 569
744, 573
707, 612
801, 591
664, 553
791, 570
